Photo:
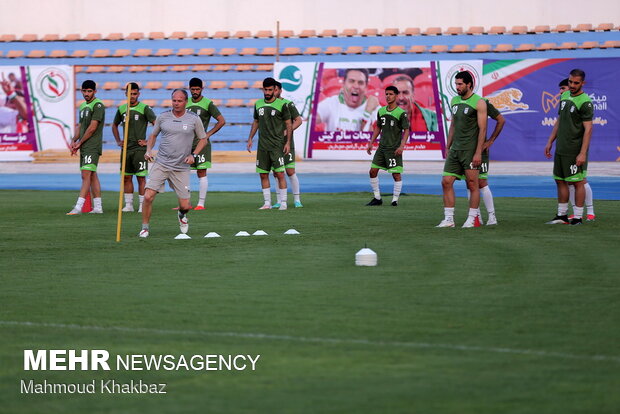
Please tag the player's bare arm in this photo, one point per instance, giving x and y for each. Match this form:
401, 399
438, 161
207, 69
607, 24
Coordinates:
375, 134
218, 125
552, 137
149, 147
403, 142
481, 112
500, 121
450, 135
252, 133
92, 127
117, 136
289, 135
587, 136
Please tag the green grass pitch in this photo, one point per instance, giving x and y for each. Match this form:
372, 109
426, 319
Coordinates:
520, 318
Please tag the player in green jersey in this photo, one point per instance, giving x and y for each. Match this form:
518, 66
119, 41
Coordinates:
393, 124
88, 140
205, 109
271, 117
465, 140
289, 158
140, 116
573, 131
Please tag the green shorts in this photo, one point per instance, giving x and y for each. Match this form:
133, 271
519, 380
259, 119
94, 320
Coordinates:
269, 161
458, 161
136, 164
289, 159
484, 166
565, 168
89, 161
202, 161
385, 159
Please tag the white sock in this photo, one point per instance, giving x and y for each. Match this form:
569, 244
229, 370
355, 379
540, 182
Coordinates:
487, 199
97, 203
203, 182
562, 209
448, 212
283, 195
374, 184
398, 186
473, 212
267, 196
589, 199
295, 187
578, 211
80, 203
571, 194
129, 199
141, 198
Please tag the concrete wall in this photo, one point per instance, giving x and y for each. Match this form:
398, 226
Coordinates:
106, 16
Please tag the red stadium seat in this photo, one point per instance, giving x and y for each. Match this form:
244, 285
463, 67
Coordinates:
475, 30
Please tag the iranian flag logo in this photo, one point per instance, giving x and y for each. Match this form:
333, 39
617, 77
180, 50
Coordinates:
53, 84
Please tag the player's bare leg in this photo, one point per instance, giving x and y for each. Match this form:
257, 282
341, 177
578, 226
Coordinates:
447, 186
471, 178
266, 187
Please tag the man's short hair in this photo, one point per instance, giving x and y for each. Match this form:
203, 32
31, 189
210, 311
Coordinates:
563, 82
279, 84
89, 84
195, 82
268, 82
404, 78
466, 77
364, 71
133, 86
392, 88
578, 72
183, 91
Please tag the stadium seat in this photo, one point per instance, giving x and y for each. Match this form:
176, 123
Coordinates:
114, 36
354, 50
227, 51
165, 103
110, 85
395, 49
93, 37
207, 51
481, 48
459, 49
186, 51
108, 103
73, 37
518, 30
307, 33
179, 68
200, 35
201, 68
541, 29
234, 103
221, 68
609, 44
546, 46
432, 31
503, 47
156, 36
313, 50
248, 51
29, 37
78, 69
135, 36
217, 102
589, 45
94, 69
562, 28
222, 34
373, 50
525, 47
242, 34
178, 35
252, 102
80, 53
264, 68
36, 54
50, 38
290, 51
153, 85
244, 68
392, 31
475, 30
370, 32
136, 69
150, 102
567, 46
258, 84
349, 32
163, 52
7, 38
268, 51
115, 69
264, 34
328, 33
454, 30
143, 52
121, 53
101, 53
439, 49
583, 27
217, 84
412, 31
58, 53
175, 85
417, 49
605, 27
285, 34
333, 50
497, 30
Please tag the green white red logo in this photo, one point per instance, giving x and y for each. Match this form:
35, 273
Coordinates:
53, 84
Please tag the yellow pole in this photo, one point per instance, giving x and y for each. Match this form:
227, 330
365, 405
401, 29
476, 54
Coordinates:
124, 159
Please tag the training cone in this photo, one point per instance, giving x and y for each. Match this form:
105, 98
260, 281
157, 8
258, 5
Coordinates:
366, 257
182, 236
242, 234
259, 233
211, 234
291, 231
88, 204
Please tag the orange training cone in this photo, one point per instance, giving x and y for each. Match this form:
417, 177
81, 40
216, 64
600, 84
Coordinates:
88, 204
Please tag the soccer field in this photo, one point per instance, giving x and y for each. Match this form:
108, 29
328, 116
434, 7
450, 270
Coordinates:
518, 318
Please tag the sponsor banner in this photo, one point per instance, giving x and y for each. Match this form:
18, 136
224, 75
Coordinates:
36, 110
526, 92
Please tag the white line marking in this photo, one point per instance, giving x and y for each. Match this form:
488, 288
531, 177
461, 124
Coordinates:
347, 341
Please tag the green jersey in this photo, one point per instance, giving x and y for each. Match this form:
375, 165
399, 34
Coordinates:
92, 111
492, 111
294, 114
205, 109
271, 119
140, 116
465, 121
573, 111
392, 124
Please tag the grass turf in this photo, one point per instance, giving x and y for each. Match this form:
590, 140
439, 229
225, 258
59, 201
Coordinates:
522, 317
